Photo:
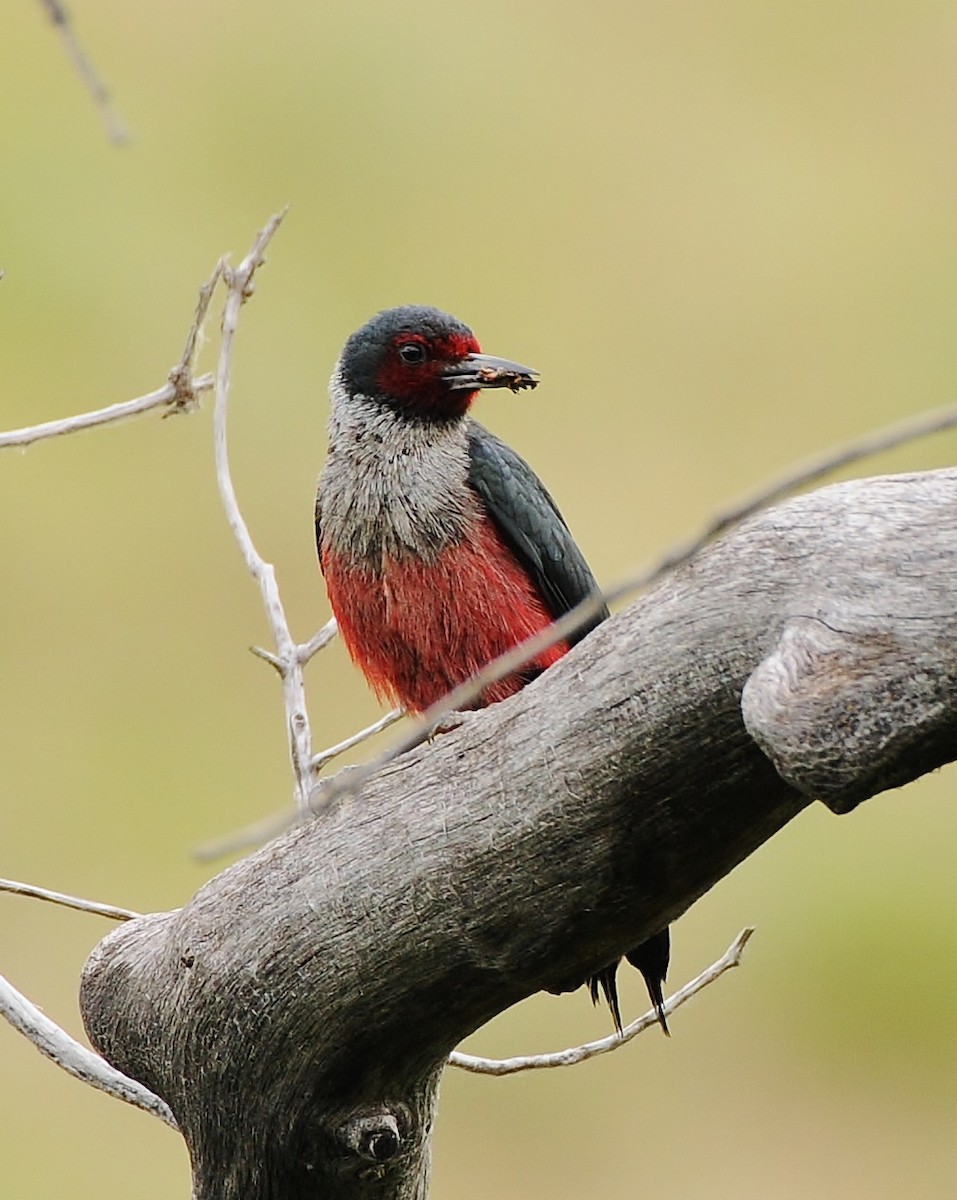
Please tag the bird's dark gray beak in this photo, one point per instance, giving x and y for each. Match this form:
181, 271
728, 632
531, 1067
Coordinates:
486, 371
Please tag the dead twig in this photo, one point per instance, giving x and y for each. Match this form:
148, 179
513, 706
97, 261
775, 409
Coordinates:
74, 1058
90, 906
568, 1058
180, 393
115, 128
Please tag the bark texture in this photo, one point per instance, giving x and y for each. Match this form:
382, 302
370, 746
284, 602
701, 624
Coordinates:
296, 1013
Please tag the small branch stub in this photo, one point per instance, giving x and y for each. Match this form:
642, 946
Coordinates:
844, 712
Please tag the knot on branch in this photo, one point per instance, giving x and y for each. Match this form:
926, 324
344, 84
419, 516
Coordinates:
849, 706
375, 1135
186, 390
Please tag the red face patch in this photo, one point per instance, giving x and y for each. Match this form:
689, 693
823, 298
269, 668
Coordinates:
413, 367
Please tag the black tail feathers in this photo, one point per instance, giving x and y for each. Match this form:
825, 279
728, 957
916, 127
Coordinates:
606, 981
651, 958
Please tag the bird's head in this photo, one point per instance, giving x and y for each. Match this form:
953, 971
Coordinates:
424, 362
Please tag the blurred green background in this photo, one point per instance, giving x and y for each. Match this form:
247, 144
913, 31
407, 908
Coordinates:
726, 235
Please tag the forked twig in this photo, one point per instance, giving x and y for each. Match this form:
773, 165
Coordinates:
287, 658
180, 394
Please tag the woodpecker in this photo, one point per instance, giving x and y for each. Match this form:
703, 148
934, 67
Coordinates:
440, 547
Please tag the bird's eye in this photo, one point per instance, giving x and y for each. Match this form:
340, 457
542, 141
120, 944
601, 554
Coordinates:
413, 353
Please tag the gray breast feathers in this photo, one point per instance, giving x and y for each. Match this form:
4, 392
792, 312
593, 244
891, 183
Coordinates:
391, 486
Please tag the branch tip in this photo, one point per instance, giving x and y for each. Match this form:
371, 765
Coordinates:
269, 657
318, 641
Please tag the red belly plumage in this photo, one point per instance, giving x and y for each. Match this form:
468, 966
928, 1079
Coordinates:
418, 629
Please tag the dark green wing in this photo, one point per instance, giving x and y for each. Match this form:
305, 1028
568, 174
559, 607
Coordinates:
528, 519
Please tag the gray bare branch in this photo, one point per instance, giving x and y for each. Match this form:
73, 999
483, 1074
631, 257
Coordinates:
297, 1013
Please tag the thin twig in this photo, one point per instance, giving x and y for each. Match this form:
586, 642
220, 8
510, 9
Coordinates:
324, 756
248, 837
268, 827
180, 394
461, 697
90, 906
75, 1059
114, 126
168, 395
239, 284
181, 375
810, 470
567, 1058
318, 641
268, 657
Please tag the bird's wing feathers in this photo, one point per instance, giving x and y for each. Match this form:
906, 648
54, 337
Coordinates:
528, 519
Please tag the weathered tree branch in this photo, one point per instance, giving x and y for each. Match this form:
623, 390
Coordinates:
296, 1014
